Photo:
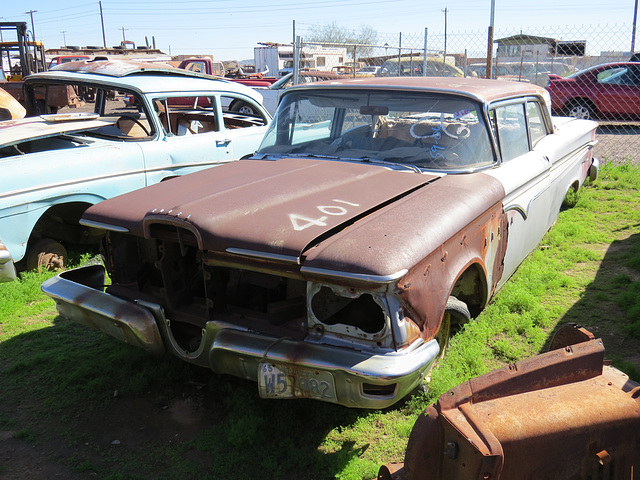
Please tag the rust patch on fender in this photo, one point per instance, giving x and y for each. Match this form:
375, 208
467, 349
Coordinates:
427, 286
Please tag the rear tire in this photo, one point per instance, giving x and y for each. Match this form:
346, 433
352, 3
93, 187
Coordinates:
243, 108
581, 109
48, 255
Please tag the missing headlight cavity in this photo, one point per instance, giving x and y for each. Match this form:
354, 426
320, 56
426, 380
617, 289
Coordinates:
362, 312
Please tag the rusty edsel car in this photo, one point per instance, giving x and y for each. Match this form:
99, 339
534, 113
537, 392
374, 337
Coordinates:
377, 214
56, 164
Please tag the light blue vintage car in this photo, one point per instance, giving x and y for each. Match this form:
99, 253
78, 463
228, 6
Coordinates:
131, 125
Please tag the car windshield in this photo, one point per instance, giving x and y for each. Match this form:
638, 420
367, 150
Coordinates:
418, 130
282, 83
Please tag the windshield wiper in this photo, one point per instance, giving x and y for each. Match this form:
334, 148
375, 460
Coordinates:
395, 164
334, 157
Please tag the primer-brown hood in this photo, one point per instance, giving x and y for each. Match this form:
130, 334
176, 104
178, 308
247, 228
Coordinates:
326, 214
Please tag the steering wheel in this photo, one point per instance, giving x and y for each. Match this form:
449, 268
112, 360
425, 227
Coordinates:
134, 120
461, 131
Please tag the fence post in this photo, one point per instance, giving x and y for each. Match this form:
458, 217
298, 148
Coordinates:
490, 39
354, 61
424, 55
296, 59
399, 53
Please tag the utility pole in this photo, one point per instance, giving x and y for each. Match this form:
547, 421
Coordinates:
33, 28
123, 37
104, 38
64, 38
35, 47
445, 33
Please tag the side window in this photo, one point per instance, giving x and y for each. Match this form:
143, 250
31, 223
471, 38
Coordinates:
196, 66
240, 113
537, 128
612, 76
132, 121
128, 118
512, 131
187, 115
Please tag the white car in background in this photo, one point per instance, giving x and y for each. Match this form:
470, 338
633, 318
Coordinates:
55, 165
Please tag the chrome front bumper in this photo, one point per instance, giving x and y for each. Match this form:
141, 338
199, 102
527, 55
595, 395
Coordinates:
594, 169
7, 268
363, 380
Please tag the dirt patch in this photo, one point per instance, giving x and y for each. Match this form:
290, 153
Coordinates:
124, 427
618, 143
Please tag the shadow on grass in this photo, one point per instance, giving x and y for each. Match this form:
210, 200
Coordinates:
96, 405
610, 305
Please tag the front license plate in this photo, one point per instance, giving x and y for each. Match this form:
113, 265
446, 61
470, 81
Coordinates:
283, 381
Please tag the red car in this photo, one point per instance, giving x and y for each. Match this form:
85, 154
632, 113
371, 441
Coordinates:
611, 90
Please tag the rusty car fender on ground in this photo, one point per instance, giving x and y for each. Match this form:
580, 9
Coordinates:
512, 423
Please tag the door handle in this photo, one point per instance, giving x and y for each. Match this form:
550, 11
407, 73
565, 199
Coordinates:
226, 141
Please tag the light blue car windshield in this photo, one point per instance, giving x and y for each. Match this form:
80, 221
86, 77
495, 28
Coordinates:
424, 130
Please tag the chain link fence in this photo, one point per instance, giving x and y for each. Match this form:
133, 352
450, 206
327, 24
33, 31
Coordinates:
610, 95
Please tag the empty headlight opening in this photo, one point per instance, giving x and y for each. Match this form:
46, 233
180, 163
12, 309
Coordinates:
361, 311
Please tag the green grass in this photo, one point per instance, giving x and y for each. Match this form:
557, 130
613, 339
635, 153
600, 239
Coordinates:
59, 378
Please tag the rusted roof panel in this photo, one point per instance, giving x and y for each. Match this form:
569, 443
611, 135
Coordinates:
118, 68
486, 90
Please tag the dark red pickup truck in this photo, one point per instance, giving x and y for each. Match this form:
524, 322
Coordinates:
210, 67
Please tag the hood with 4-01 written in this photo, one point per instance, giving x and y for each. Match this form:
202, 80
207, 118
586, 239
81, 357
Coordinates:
294, 208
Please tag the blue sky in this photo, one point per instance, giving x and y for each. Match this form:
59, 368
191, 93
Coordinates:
229, 29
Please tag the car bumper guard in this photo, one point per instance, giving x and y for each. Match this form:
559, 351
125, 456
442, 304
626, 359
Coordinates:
362, 379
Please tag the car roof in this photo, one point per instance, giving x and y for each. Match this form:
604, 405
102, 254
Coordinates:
481, 89
146, 77
119, 68
601, 66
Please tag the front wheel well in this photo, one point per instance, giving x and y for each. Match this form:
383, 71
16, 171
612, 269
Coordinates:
471, 288
571, 197
61, 222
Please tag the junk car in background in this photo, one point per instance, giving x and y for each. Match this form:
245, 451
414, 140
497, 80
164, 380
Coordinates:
608, 91
377, 215
56, 165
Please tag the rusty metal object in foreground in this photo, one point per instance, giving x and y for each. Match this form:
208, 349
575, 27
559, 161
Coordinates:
563, 414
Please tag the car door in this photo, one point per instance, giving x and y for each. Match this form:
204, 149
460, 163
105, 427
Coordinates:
196, 132
525, 174
618, 90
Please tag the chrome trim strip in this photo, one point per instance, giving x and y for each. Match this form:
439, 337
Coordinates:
518, 209
263, 255
356, 276
103, 226
170, 168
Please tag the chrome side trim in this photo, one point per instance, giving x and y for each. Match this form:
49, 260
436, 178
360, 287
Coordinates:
103, 226
355, 276
263, 255
518, 209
